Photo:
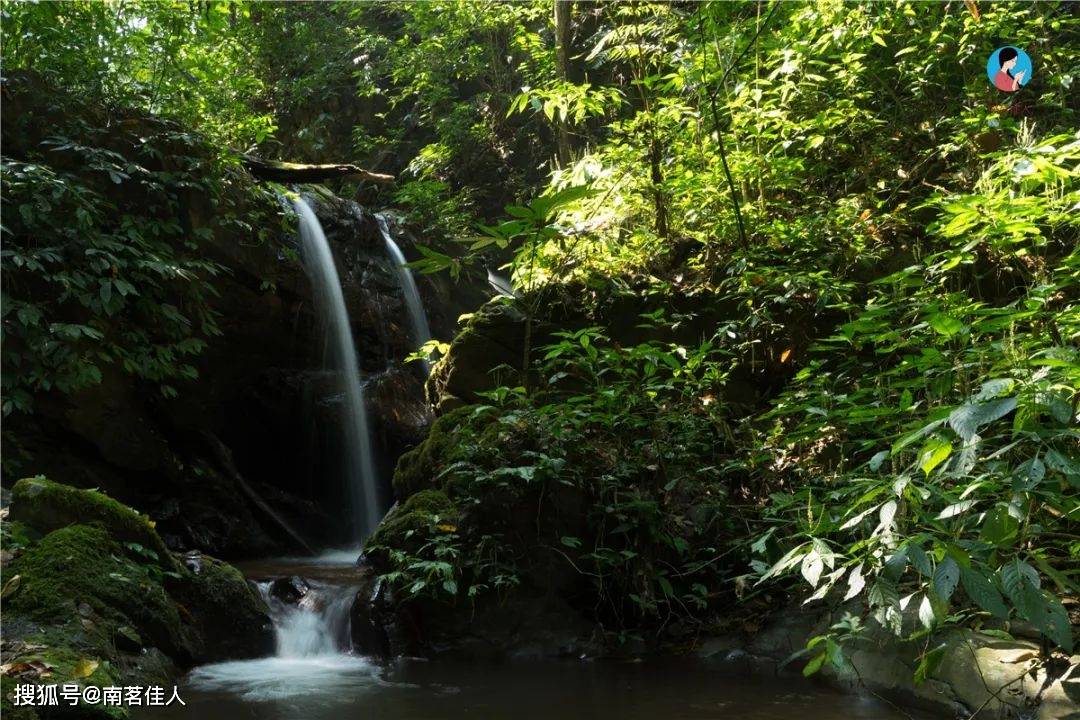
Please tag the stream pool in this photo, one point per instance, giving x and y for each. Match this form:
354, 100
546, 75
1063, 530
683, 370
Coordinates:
311, 678
344, 687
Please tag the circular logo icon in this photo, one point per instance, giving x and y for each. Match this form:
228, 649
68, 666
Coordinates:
1009, 68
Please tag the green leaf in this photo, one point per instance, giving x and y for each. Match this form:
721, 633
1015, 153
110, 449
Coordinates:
856, 583
814, 665
877, 460
946, 577
933, 453
915, 435
945, 324
928, 616
919, 560
982, 591
1053, 621
929, 663
999, 527
956, 509
1060, 463
1028, 475
84, 668
1021, 582
967, 419
811, 568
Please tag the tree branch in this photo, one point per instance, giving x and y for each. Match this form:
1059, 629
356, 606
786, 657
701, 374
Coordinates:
287, 172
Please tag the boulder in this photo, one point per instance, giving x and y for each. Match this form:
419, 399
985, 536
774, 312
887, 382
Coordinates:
93, 597
421, 467
981, 674
46, 506
486, 353
230, 617
289, 590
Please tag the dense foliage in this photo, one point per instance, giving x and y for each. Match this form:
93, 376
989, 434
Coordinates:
892, 241
901, 242
105, 261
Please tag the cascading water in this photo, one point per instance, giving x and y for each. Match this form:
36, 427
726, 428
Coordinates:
312, 659
362, 481
318, 625
421, 333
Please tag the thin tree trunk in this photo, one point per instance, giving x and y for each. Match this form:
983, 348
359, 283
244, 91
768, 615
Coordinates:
563, 12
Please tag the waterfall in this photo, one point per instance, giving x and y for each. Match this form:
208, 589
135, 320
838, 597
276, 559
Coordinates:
421, 333
316, 626
362, 480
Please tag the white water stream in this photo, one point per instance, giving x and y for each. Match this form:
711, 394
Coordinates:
312, 657
362, 481
421, 333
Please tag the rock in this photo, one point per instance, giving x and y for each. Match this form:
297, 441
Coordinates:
403, 526
399, 410
128, 639
978, 673
289, 590
230, 617
372, 620
100, 608
421, 467
494, 336
46, 506
83, 565
1061, 700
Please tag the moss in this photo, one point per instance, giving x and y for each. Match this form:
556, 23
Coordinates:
66, 658
420, 468
8, 711
81, 568
46, 506
14, 535
414, 516
233, 619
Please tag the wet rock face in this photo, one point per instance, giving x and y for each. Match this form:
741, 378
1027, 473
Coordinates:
289, 590
397, 401
519, 628
259, 389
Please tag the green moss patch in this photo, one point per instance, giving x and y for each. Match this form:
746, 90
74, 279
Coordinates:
80, 570
421, 468
46, 506
408, 522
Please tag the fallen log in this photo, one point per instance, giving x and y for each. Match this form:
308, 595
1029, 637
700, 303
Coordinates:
286, 172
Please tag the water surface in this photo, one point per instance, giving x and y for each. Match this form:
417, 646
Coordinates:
345, 687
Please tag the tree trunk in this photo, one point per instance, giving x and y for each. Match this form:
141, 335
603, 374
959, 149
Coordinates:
563, 12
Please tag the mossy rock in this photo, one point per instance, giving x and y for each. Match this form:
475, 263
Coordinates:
420, 468
493, 337
80, 567
65, 667
68, 597
46, 506
407, 523
232, 619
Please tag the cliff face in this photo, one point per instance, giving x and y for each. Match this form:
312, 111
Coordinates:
167, 420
